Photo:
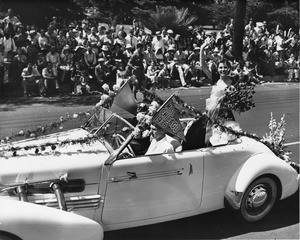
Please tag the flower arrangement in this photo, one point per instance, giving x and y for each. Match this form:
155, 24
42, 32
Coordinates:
275, 138
239, 97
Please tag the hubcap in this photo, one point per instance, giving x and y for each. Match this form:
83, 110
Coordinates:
257, 197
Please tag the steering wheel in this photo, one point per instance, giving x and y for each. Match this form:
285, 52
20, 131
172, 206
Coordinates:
119, 139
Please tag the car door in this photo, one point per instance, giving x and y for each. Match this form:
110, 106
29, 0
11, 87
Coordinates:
155, 186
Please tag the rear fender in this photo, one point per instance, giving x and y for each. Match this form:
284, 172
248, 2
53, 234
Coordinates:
255, 167
29, 221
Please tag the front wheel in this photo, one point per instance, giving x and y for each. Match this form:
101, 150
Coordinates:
258, 199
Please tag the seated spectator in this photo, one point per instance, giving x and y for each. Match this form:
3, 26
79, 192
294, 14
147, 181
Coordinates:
54, 58
117, 53
90, 60
104, 52
82, 84
101, 72
149, 56
50, 77
121, 73
41, 62
159, 55
152, 72
61, 40
293, 69
163, 78
127, 53
66, 59
31, 76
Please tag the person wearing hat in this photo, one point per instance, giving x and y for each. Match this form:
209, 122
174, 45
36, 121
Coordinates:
131, 39
169, 56
169, 39
104, 52
66, 60
101, 72
158, 42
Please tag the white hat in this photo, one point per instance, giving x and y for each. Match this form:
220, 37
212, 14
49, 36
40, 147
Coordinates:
105, 87
171, 48
170, 31
104, 48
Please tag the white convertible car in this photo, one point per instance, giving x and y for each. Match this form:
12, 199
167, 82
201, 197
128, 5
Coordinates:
79, 191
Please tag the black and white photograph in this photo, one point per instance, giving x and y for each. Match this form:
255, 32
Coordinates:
149, 119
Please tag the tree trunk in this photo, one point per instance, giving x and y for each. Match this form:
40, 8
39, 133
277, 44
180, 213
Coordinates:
239, 23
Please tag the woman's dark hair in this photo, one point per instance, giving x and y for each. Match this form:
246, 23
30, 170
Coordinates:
224, 61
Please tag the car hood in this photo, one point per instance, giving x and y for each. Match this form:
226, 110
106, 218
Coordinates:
74, 161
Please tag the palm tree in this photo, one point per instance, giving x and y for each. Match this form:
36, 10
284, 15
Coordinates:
171, 18
239, 21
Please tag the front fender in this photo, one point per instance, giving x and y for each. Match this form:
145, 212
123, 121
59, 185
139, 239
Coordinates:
33, 222
255, 167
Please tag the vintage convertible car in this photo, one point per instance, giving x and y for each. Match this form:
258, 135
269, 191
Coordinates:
79, 190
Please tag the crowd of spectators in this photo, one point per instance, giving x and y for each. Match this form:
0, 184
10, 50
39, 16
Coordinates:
89, 56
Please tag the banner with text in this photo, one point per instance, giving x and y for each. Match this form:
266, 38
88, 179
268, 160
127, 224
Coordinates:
167, 118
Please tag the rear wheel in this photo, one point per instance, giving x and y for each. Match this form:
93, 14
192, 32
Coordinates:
258, 199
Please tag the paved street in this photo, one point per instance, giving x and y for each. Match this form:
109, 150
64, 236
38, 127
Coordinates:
279, 98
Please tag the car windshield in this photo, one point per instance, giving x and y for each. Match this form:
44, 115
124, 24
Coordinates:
109, 126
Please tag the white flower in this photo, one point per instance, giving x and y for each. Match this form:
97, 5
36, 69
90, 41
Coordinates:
21, 132
75, 115
32, 135
61, 119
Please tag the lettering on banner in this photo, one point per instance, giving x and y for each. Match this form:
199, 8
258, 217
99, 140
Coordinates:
165, 118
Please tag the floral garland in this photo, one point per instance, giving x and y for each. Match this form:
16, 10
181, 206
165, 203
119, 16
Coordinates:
274, 141
42, 147
42, 130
